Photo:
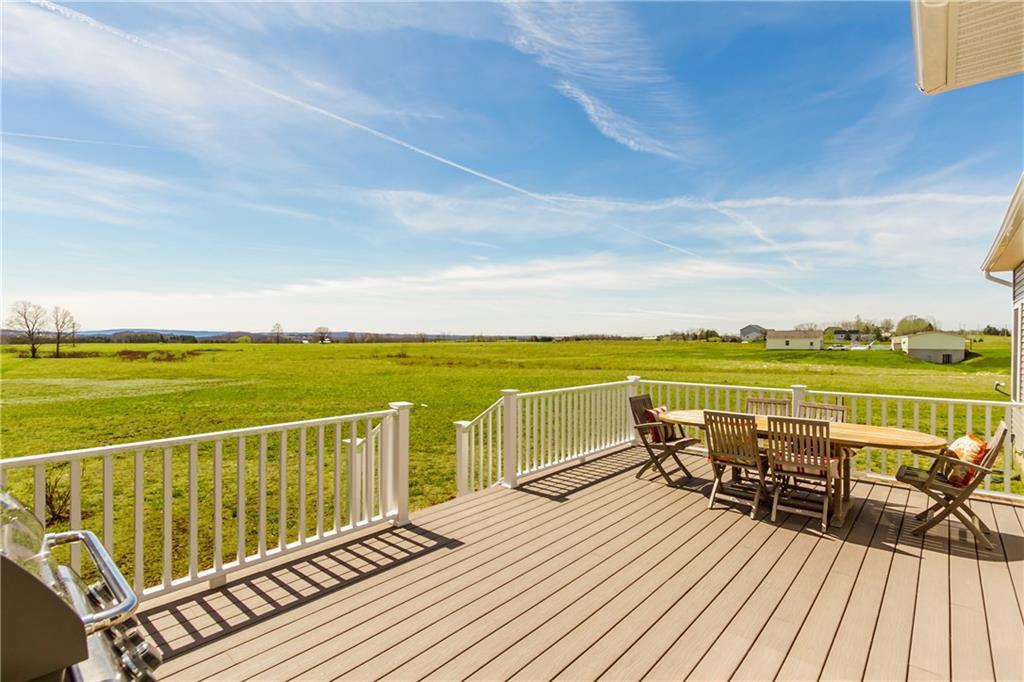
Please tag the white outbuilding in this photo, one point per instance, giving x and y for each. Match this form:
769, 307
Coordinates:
793, 339
941, 348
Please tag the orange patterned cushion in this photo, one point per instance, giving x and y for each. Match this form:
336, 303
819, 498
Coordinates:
651, 415
969, 448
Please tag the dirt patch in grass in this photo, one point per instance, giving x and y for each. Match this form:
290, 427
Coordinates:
155, 355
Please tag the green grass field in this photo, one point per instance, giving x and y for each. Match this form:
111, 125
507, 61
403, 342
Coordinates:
114, 394
55, 404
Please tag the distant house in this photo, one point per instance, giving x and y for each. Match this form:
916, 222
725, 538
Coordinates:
941, 348
793, 339
846, 335
752, 332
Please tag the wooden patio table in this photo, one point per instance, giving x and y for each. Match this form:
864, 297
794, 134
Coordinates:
843, 434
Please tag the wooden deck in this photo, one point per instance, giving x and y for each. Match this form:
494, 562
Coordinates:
590, 573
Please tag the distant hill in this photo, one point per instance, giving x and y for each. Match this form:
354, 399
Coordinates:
147, 330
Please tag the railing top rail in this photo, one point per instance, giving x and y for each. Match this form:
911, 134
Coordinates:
570, 389
777, 389
926, 398
492, 408
71, 455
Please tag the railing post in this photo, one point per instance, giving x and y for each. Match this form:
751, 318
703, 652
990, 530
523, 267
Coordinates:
510, 446
632, 390
798, 397
462, 458
401, 464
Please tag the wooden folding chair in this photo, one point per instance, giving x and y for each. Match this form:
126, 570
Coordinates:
732, 443
770, 406
800, 450
661, 440
949, 497
830, 413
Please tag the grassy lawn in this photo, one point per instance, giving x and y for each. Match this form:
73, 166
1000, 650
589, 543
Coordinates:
114, 394
50, 404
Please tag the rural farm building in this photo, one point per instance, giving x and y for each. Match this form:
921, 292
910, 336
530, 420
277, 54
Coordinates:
941, 348
752, 332
793, 339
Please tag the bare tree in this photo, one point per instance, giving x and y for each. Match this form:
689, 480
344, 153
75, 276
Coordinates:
278, 331
29, 319
63, 323
322, 334
807, 326
75, 328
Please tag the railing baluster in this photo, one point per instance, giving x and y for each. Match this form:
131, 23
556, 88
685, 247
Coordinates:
282, 492
320, 481
139, 567
39, 494
240, 552
193, 510
917, 427
367, 471
337, 477
76, 512
353, 474
108, 503
263, 496
218, 524
302, 486
168, 483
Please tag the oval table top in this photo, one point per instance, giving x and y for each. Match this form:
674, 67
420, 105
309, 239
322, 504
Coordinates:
842, 433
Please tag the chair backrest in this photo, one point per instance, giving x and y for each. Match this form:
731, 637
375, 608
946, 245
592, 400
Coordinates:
638, 404
770, 406
732, 437
795, 443
995, 446
829, 413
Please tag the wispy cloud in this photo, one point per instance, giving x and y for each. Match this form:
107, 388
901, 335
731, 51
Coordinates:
75, 140
607, 66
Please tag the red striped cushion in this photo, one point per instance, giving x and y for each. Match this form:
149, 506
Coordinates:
969, 448
651, 415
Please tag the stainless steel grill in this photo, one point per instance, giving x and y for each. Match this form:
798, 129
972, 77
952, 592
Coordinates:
54, 626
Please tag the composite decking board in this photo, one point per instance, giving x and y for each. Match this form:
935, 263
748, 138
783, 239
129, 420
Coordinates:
811, 647
766, 655
501, 555
569, 580
1008, 527
639, 551
529, 631
488, 537
588, 650
679, 614
688, 648
508, 587
970, 649
720, 660
847, 657
929, 643
889, 653
1005, 626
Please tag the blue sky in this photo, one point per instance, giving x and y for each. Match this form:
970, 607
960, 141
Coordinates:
494, 168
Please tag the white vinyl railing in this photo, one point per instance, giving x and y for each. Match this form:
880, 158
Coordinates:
567, 424
177, 511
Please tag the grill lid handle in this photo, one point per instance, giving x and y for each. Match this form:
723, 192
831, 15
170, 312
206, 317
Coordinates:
126, 601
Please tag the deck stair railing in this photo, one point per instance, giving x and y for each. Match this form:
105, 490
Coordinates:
196, 508
556, 426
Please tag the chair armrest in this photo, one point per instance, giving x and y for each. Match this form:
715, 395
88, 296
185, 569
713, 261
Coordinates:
649, 425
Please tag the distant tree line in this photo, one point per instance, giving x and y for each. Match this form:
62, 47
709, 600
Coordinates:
34, 325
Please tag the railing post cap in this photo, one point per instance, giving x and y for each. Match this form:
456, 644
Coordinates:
633, 377
462, 423
801, 386
509, 391
400, 405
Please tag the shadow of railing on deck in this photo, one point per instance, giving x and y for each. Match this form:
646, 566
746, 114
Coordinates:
191, 621
561, 484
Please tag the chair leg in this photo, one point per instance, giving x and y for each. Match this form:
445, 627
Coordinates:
945, 510
846, 476
824, 509
717, 469
645, 467
661, 470
775, 500
757, 501
921, 516
979, 536
682, 467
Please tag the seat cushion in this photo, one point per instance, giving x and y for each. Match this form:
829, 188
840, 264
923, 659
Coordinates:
969, 448
663, 434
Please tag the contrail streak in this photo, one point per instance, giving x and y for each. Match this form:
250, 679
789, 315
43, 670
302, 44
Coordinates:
56, 138
547, 199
